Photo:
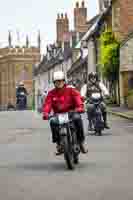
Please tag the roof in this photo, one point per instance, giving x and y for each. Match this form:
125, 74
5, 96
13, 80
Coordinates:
92, 20
88, 33
45, 65
79, 62
93, 28
127, 38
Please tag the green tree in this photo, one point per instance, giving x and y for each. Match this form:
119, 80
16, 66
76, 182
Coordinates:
109, 59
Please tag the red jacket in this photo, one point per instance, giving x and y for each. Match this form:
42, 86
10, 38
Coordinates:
63, 100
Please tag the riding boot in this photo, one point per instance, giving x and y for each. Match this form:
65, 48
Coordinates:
83, 149
59, 150
89, 115
105, 120
90, 128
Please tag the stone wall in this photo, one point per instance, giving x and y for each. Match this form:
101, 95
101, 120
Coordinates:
126, 55
122, 21
126, 68
16, 64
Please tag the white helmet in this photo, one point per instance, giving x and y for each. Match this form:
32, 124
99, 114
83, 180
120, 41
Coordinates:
21, 83
59, 75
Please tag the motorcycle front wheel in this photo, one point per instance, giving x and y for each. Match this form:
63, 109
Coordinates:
68, 154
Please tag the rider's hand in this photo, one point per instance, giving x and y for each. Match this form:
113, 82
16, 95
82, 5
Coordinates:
80, 110
83, 99
45, 116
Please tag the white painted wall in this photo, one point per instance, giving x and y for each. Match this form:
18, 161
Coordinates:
91, 57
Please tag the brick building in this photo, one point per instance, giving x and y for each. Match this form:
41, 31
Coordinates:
103, 4
16, 64
122, 17
80, 18
62, 28
67, 37
122, 24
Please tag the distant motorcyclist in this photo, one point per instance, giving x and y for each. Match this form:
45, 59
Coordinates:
21, 90
64, 98
94, 85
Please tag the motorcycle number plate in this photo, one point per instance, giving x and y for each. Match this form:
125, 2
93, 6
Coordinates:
96, 95
63, 118
22, 93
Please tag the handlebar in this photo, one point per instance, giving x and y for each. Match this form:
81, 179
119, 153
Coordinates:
70, 112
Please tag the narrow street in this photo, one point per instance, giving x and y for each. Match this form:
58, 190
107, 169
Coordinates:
30, 170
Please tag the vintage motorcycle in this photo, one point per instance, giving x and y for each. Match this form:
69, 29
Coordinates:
97, 118
22, 101
68, 139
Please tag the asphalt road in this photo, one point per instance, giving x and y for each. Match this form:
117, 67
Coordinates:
29, 170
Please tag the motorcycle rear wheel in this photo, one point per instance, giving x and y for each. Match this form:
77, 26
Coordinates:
99, 133
76, 159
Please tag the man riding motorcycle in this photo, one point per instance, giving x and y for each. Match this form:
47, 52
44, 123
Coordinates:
21, 89
64, 98
95, 86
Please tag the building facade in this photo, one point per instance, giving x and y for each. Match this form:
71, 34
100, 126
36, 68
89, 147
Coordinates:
54, 60
126, 69
16, 64
122, 25
122, 17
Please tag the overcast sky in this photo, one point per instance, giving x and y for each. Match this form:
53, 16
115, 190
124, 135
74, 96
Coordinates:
29, 16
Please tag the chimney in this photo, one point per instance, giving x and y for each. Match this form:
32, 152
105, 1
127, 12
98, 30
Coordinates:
83, 4
77, 4
62, 27
80, 17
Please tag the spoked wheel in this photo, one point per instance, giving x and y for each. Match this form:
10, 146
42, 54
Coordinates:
68, 154
76, 148
76, 159
99, 132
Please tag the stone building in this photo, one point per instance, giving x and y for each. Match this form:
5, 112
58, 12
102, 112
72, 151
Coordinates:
77, 74
122, 25
66, 40
126, 69
62, 28
66, 37
122, 17
16, 64
54, 60
80, 18
104, 4
89, 46
85, 53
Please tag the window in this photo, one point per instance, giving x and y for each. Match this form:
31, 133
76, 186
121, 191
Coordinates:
130, 81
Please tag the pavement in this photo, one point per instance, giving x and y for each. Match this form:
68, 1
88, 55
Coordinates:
121, 112
29, 170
